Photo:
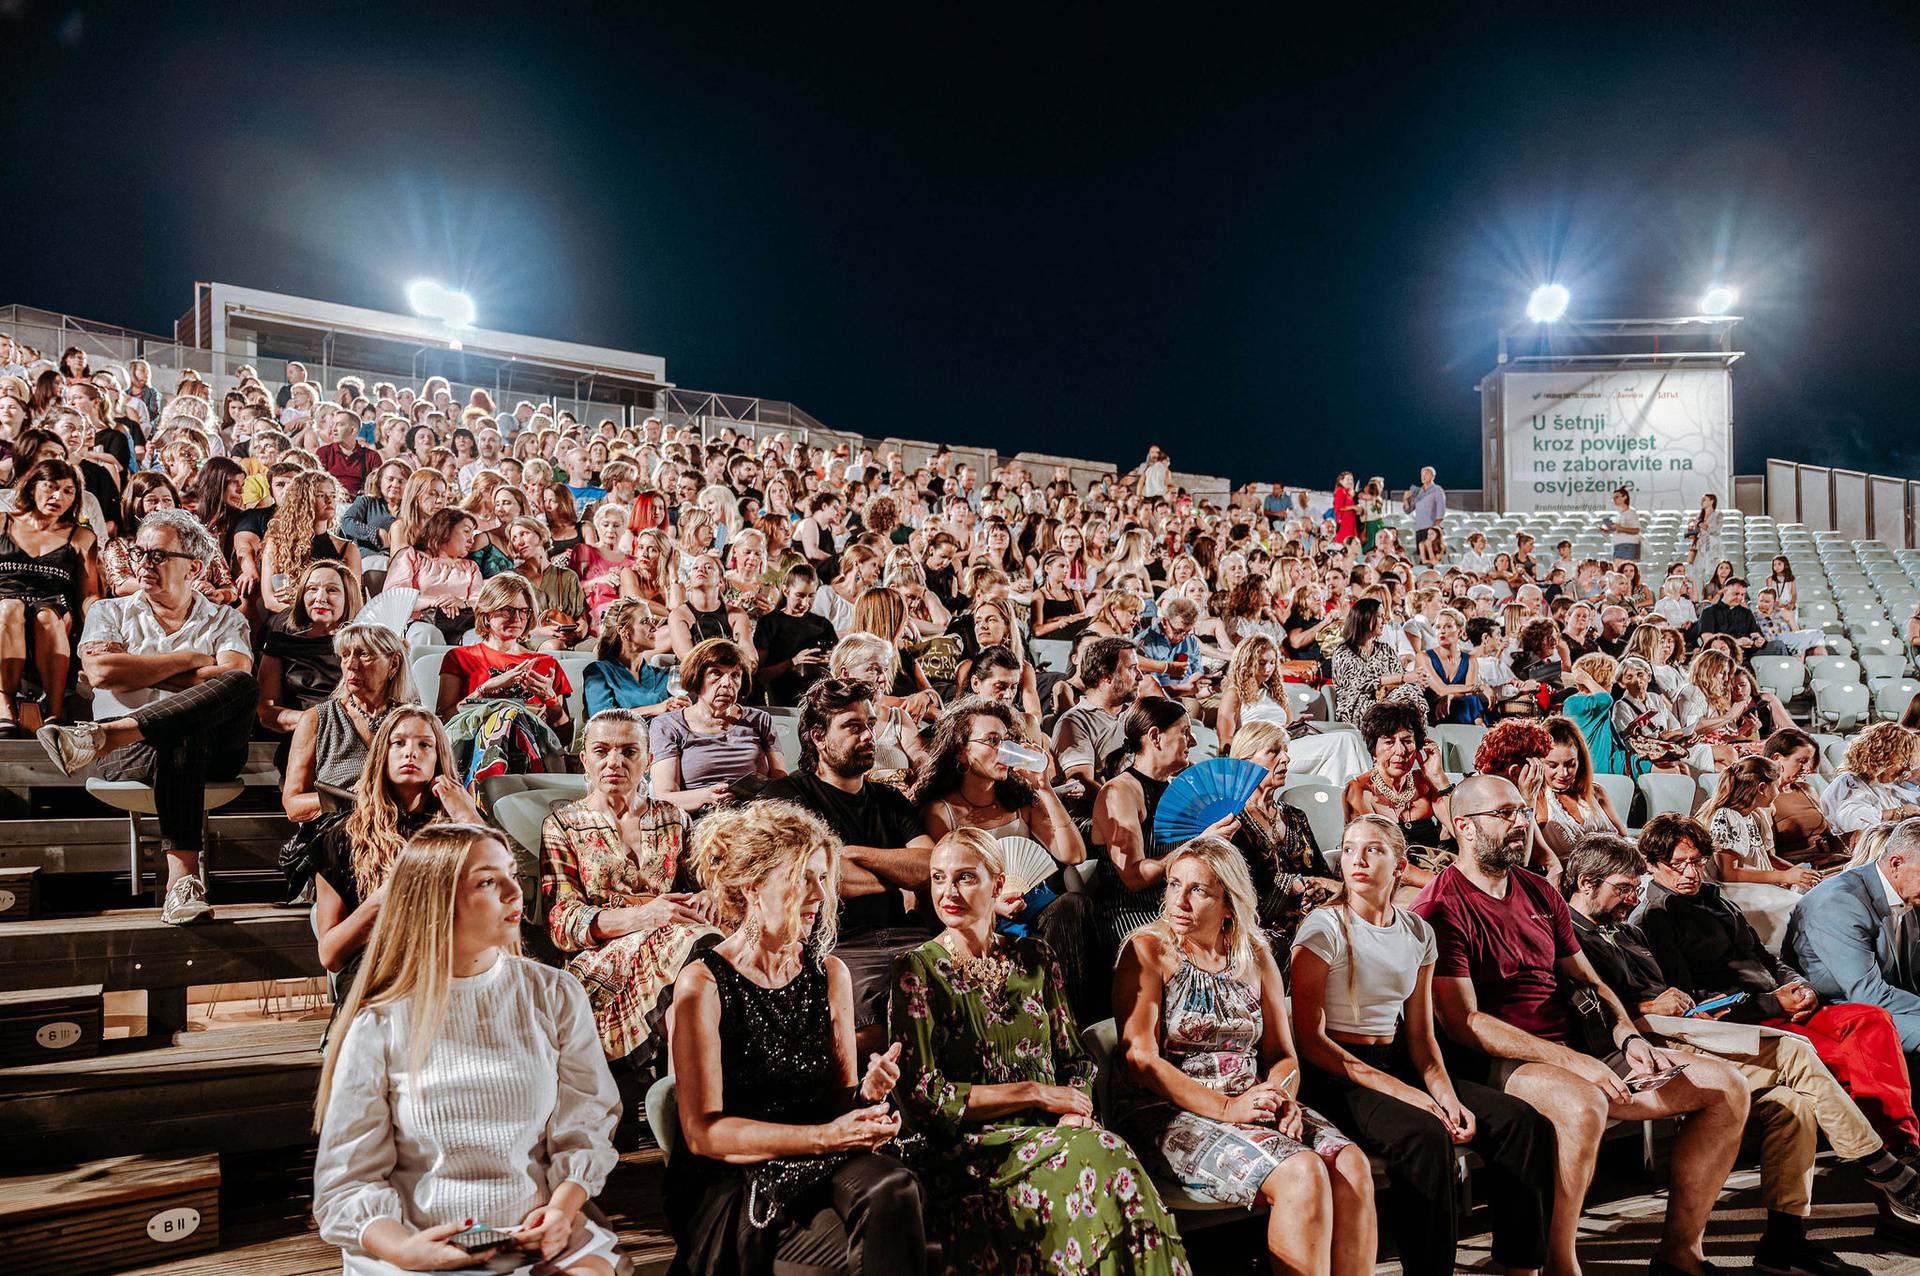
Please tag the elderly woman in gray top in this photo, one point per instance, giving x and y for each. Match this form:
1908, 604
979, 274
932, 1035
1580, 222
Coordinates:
330, 743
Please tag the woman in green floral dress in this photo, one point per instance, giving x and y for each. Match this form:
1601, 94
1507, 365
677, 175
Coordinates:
1021, 1178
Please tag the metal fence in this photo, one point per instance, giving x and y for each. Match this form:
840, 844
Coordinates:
1854, 503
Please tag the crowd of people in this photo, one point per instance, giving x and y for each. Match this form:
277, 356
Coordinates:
865, 871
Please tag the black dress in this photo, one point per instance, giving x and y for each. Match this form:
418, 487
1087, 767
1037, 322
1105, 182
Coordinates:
41, 582
710, 624
1121, 911
856, 1213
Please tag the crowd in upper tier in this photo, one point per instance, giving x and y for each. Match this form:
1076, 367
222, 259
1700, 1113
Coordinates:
870, 845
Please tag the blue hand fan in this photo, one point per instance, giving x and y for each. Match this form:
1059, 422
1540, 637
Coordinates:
1202, 794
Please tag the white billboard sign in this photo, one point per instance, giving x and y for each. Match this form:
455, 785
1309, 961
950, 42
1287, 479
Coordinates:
1571, 438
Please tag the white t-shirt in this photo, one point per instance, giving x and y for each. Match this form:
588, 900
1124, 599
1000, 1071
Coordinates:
1385, 964
1621, 520
1153, 479
130, 625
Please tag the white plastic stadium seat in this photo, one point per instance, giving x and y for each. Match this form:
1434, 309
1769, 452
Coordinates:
1325, 812
1841, 705
1831, 669
1458, 742
1665, 792
1891, 696
1782, 675
1619, 790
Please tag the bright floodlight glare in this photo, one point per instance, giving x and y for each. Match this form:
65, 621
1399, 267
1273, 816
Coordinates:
1720, 300
432, 301
1549, 302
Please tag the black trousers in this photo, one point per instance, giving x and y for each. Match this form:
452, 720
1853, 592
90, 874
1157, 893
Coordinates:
189, 737
1515, 1142
864, 1221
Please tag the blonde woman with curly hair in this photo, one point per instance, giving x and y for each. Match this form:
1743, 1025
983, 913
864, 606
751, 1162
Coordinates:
784, 1135
465, 1092
1707, 707
1208, 1075
653, 577
1254, 691
298, 534
1870, 788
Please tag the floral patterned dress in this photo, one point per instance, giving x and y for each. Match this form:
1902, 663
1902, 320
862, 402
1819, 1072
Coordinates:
585, 868
1017, 1193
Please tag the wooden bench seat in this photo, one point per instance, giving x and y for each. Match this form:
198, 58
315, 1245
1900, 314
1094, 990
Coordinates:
109, 1216
221, 1090
133, 948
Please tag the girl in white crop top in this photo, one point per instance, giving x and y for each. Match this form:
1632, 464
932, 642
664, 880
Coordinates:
1363, 1018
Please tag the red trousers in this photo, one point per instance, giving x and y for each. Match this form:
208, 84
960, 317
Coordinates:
1861, 1047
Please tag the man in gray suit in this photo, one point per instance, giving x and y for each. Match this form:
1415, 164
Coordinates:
1846, 935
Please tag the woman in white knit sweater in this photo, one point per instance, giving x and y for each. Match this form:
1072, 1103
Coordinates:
467, 1093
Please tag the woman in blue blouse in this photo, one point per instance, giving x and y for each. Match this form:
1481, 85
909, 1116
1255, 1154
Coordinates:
621, 678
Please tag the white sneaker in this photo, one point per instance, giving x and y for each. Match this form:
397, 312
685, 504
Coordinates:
186, 903
74, 747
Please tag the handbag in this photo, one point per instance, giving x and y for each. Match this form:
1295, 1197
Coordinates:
296, 854
1590, 1030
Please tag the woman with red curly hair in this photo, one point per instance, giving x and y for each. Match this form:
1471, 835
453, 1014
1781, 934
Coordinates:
1516, 750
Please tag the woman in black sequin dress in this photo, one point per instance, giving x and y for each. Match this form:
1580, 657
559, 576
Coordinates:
783, 1145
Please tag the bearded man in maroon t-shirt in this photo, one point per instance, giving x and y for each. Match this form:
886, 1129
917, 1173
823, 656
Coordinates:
1506, 942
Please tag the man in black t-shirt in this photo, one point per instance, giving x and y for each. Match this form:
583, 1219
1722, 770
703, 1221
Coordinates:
886, 849
794, 642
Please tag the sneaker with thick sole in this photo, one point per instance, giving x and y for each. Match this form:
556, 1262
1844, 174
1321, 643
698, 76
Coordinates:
1803, 1258
73, 748
1903, 1205
186, 903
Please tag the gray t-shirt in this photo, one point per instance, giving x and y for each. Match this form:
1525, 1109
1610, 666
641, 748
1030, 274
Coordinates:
1085, 735
744, 748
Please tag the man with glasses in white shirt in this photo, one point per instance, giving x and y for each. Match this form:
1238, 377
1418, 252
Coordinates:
174, 695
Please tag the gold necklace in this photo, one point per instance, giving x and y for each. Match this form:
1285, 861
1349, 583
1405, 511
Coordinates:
1394, 797
988, 972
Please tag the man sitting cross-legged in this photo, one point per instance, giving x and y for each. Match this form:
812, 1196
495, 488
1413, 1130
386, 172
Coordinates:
1506, 940
174, 695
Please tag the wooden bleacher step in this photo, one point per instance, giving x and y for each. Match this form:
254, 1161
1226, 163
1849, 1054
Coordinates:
109, 1216
133, 948
226, 1089
50, 1023
19, 893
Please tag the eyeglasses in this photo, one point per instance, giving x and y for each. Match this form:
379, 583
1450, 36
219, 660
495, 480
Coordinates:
1687, 868
141, 556
521, 613
991, 741
1505, 814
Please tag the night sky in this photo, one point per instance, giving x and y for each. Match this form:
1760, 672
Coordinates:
1278, 249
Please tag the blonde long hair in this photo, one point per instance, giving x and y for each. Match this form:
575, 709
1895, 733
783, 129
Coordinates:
1242, 925
373, 827
1243, 671
410, 955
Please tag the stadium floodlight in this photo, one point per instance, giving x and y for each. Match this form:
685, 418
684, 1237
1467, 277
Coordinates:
1548, 303
1720, 300
431, 300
